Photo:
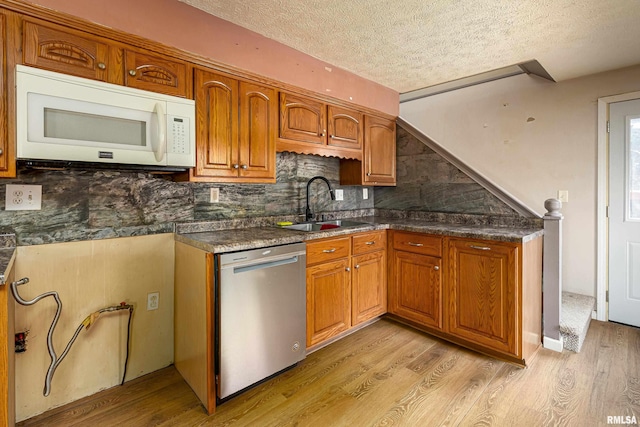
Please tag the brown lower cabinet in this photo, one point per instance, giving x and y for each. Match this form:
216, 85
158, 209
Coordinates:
488, 299
346, 283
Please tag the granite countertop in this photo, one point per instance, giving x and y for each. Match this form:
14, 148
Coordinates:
231, 240
7, 254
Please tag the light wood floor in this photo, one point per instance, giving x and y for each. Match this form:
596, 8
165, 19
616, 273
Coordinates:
388, 374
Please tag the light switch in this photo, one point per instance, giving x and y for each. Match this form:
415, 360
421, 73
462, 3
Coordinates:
365, 193
563, 196
214, 195
339, 194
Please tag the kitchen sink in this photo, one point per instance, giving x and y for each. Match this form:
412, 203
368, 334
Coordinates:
323, 225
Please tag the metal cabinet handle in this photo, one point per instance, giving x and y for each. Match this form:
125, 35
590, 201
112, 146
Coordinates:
347, 269
481, 248
368, 173
370, 243
1, 151
436, 267
329, 251
415, 244
236, 166
357, 266
133, 73
245, 167
331, 136
102, 65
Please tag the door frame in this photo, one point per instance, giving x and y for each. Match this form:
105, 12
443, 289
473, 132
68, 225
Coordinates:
602, 224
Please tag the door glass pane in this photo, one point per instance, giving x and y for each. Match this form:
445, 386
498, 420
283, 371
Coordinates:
71, 125
634, 169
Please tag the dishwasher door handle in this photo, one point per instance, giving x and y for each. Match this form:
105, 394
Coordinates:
268, 264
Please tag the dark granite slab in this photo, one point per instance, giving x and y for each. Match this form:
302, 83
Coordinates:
231, 240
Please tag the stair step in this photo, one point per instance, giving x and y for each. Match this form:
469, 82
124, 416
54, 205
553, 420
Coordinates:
574, 319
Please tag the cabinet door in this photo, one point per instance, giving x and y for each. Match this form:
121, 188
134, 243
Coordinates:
258, 121
368, 287
328, 300
483, 294
302, 119
345, 127
416, 290
65, 51
216, 125
379, 151
148, 72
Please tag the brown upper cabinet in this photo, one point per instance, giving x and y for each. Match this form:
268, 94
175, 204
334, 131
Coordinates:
310, 126
81, 54
235, 130
5, 144
378, 166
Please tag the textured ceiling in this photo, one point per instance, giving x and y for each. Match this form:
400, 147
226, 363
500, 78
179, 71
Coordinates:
411, 44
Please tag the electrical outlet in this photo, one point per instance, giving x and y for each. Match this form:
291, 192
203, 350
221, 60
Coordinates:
214, 195
153, 301
365, 193
23, 197
339, 194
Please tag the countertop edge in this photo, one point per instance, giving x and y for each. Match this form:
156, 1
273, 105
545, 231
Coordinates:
202, 240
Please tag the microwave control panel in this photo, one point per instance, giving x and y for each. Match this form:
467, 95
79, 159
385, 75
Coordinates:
178, 137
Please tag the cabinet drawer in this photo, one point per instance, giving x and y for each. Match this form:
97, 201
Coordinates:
369, 242
326, 250
417, 243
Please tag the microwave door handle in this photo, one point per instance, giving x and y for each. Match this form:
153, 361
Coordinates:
161, 144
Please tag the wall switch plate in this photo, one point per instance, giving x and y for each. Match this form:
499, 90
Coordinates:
339, 194
214, 195
153, 300
563, 196
365, 193
23, 197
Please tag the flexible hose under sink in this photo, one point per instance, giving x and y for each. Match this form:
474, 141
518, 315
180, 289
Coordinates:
86, 323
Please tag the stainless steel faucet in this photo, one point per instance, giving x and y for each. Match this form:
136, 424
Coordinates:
308, 215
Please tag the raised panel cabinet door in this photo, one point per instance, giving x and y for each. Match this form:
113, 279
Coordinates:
368, 287
153, 73
302, 119
216, 125
416, 291
328, 300
483, 293
65, 51
346, 127
379, 151
258, 121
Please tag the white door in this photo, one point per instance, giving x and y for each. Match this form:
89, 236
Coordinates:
624, 212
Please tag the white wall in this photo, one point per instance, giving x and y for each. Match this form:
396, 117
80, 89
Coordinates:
88, 276
532, 137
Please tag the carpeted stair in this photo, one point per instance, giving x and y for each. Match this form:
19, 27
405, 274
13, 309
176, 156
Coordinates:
575, 319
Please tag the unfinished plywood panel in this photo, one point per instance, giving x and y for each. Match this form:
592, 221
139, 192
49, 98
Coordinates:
88, 276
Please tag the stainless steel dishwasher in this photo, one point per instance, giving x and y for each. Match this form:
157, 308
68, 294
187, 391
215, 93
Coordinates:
262, 314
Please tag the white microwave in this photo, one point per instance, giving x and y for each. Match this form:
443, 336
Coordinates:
72, 119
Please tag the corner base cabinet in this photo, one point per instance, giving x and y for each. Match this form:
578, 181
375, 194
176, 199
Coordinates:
489, 297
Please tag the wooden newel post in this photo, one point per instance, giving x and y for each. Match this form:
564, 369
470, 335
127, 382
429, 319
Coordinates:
552, 275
